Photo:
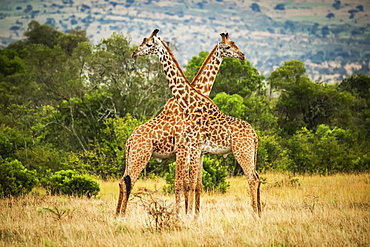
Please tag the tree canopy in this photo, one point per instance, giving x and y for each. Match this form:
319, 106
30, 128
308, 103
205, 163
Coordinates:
68, 104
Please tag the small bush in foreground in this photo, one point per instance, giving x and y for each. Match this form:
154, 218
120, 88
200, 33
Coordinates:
68, 182
161, 215
15, 179
213, 176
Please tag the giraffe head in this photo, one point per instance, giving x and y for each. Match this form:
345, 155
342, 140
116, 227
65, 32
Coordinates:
228, 48
149, 45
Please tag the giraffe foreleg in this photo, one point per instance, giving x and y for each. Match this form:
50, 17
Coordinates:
182, 178
199, 187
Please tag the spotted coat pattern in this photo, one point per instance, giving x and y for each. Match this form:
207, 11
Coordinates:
190, 125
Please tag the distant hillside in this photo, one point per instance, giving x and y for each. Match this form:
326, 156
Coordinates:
331, 37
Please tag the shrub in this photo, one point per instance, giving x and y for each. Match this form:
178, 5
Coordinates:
325, 151
272, 155
15, 179
213, 176
68, 182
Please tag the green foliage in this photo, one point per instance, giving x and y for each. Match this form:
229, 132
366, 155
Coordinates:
259, 113
213, 176
303, 103
325, 151
42, 34
68, 182
359, 87
138, 86
107, 158
238, 77
272, 154
230, 104
15, 179
42, 159
11, 140
69, 42
358, 84
194, 65
58, 213
68, 104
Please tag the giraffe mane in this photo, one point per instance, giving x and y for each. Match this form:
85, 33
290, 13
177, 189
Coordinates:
182, 72
174, 58
205, 62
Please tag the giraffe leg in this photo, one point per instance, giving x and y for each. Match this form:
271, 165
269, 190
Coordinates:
244, 150
199, 186
125, 187
182, 178
194, 177
135, 163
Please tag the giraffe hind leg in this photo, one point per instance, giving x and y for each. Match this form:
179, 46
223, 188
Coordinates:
135, 163
194, 173
125, 187
245, 154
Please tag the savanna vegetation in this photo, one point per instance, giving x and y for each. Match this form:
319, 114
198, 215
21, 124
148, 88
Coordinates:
305, 210
67, 108
68, 104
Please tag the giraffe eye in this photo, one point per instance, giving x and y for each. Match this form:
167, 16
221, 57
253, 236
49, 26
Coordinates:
148, 45
228, 47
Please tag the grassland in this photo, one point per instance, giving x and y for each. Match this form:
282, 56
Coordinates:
298, 211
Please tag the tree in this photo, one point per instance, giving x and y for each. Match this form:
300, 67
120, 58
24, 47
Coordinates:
70, 41
11, 66
137, 86
230, 104
303, 103
359, 86
326, 151
42, 34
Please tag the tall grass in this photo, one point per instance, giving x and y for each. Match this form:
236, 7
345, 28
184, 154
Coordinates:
297, 211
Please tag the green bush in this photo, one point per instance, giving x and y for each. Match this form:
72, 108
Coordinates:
272, 155
325, 151
213, 176
15, 179
68, 182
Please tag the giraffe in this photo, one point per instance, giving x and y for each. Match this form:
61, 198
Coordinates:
205, 129
156, 138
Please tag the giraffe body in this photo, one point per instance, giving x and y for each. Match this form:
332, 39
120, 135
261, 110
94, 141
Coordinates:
199, 134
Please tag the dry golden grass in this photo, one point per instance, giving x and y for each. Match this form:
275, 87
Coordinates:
299, 211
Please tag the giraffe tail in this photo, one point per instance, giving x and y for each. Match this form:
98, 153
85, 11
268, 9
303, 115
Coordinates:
259, 208
127, 183
127, 178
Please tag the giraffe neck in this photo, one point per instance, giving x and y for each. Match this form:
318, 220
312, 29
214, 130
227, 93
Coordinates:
186, 96
203, 81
